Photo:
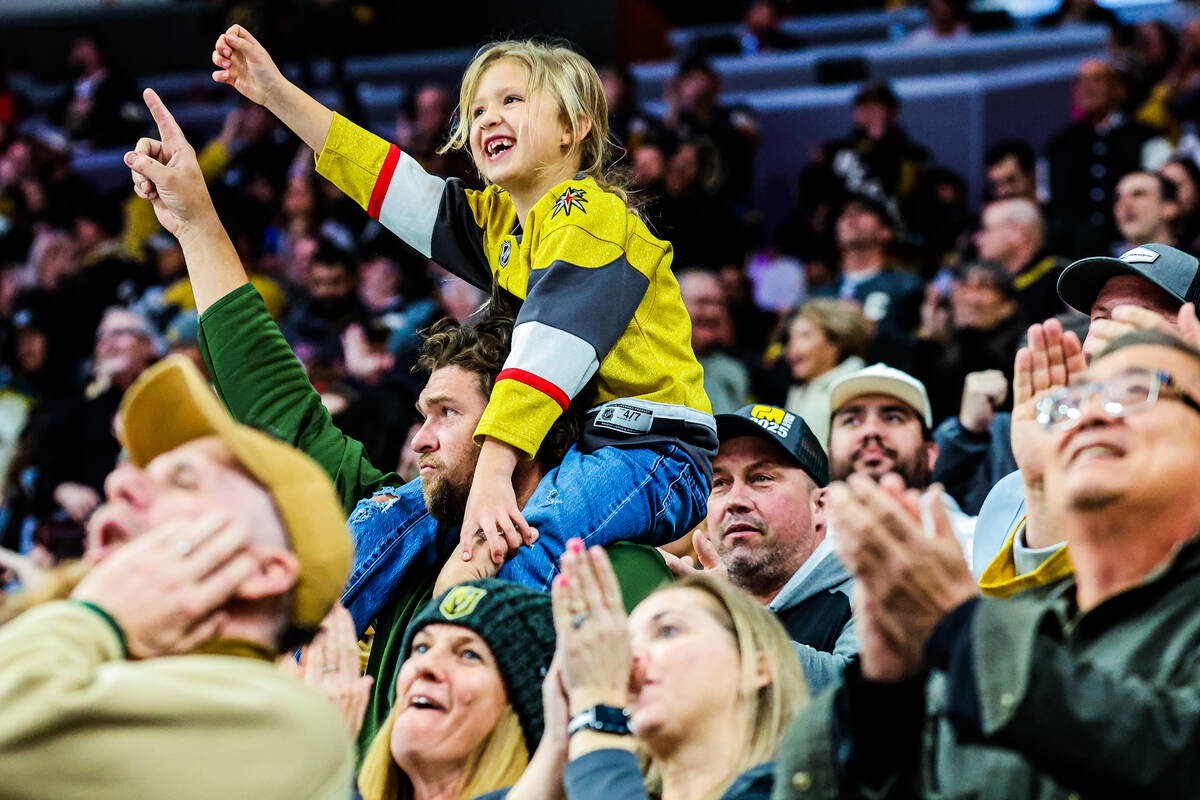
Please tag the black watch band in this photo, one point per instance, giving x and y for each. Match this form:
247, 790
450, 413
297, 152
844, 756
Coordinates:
604, 719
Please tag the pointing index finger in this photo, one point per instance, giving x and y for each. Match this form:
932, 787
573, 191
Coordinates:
168, 128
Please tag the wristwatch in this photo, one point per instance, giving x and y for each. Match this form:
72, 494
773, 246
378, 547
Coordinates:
605, 719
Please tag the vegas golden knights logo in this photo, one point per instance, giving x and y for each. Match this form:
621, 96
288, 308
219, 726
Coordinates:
461, 601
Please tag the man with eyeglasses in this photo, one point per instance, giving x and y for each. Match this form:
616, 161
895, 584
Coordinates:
75, 448
1152, 286
1087, 687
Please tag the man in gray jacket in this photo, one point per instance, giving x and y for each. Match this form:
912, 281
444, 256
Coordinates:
766, 529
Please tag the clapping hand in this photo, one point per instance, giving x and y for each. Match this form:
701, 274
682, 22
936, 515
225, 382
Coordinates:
900, 546
594, 650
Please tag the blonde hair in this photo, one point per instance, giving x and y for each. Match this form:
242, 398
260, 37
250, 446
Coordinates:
761, 642
841, 321
567, 77
497, 763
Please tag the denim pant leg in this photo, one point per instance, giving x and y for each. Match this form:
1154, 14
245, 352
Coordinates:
645, 495
390, 539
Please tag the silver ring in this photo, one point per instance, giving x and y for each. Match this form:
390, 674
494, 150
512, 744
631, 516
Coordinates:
329, 668
577, 620
183, 547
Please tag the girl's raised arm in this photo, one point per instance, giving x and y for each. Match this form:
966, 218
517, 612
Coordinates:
243, 63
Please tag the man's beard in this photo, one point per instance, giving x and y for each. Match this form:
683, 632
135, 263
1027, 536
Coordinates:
759, 570
914, 469
446, 496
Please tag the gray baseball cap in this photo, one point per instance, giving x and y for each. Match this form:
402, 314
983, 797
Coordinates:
1172, 270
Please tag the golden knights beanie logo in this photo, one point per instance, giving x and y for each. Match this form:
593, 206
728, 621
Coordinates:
461, 601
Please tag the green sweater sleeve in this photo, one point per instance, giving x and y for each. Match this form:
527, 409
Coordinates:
264, 385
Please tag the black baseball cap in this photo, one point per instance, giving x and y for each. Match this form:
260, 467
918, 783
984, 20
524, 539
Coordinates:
876, 204
1172, 270
784, 429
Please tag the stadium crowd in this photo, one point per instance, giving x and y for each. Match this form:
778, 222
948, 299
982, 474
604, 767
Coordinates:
509, 455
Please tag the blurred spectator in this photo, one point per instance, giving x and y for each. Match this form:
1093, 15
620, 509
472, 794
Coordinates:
695, 114
98, 108
1088, 156
938, 217
696, 219
947, 22
980, 329
726, 380
1146, 210
1012, 234
460, 299
396, 298
877, 158
629, 126
763, 34
766, 530
182, 337
35, 371
1185, 174
77, 448
1011, 170
424, 127
330, 303
1173, 105
1155, 52
826, 340
889, 297
1080, 12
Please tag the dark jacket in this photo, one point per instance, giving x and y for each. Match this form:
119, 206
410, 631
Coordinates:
1025, 698
970, 464
1085, 165
1036, 288
617, 775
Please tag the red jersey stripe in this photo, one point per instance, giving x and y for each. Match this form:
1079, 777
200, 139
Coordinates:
383, 181
537, 382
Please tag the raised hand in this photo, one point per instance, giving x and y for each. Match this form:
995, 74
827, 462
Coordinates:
594, 650
1051, 360
243, 63
983, 392
901, 548
166, 173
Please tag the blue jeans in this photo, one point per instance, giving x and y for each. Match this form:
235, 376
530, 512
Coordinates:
648, 495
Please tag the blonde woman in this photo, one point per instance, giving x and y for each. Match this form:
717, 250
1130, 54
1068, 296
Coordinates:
826, 339
686, 699
467, 710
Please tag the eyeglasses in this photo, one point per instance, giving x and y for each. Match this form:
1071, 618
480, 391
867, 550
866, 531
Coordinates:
1129, 392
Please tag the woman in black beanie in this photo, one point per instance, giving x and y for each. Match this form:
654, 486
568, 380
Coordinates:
467, 711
